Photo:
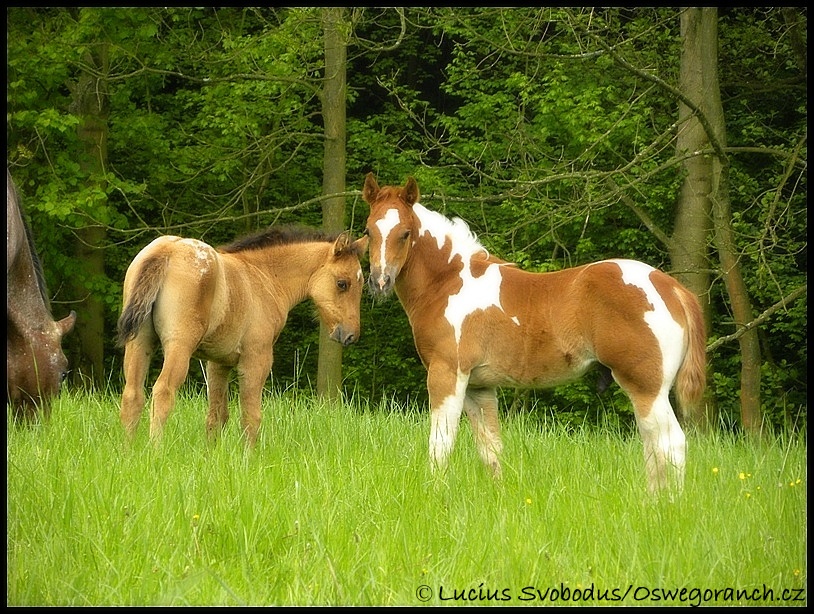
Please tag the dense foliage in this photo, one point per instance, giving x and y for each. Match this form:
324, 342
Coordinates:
512, 119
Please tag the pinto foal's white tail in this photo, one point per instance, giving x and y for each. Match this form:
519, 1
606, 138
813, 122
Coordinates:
691, 379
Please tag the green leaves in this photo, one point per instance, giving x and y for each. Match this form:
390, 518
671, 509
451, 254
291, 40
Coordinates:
519, 120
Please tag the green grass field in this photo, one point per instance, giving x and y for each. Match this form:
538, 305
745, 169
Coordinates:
337, 506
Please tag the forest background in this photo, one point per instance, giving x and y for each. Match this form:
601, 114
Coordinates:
561, 135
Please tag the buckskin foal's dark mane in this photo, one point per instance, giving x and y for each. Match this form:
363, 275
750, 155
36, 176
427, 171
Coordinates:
277, 235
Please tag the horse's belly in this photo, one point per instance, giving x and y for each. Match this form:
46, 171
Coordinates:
241, 339
520, 373
219, 353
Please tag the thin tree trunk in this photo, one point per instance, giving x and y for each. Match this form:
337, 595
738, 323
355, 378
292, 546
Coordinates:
91, 106
329, 368
742, 312
688, 246
701, 24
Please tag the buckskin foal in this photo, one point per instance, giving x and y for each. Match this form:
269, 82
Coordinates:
228, 306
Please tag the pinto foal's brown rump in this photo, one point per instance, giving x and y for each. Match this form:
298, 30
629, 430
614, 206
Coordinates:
227, 306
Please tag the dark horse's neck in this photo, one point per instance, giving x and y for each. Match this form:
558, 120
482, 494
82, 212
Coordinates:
23, 268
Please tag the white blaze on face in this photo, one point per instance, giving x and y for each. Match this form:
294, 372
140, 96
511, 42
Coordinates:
668, 332
385, 225
476, 292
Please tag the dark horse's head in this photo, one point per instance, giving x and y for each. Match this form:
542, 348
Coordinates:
35, 362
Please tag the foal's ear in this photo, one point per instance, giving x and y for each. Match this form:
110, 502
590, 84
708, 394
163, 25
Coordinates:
409, 193
342, 243
360, 245
371, 189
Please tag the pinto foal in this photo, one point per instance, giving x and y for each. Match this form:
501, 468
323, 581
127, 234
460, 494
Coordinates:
480, 322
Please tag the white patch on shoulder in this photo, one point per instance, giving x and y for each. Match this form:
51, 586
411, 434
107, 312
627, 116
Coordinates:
668, 332
476, 292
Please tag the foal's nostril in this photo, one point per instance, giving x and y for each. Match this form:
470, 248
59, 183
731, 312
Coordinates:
379, 284
342, 338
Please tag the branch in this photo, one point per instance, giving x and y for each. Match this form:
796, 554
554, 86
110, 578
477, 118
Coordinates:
675, 92
640, 213
758, 320
355, 17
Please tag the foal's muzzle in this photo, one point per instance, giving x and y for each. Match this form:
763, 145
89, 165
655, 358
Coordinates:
381, 282
344, 336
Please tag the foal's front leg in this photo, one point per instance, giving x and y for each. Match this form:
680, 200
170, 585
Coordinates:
446, 387
217, 390
481, 409
252, 374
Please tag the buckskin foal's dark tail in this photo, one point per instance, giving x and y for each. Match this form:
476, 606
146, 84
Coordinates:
139, 306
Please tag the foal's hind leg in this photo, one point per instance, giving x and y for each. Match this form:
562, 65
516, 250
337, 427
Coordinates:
664, 442
480, 405
642, 376
137, 355
173, 373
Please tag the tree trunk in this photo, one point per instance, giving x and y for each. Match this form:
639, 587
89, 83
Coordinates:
688, 246
706, 190
90, 104
329, 369
751, 415
698, 75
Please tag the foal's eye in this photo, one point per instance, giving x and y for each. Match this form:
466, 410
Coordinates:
405, 235
342, 284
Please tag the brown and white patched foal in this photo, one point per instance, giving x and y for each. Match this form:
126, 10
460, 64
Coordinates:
480, 323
